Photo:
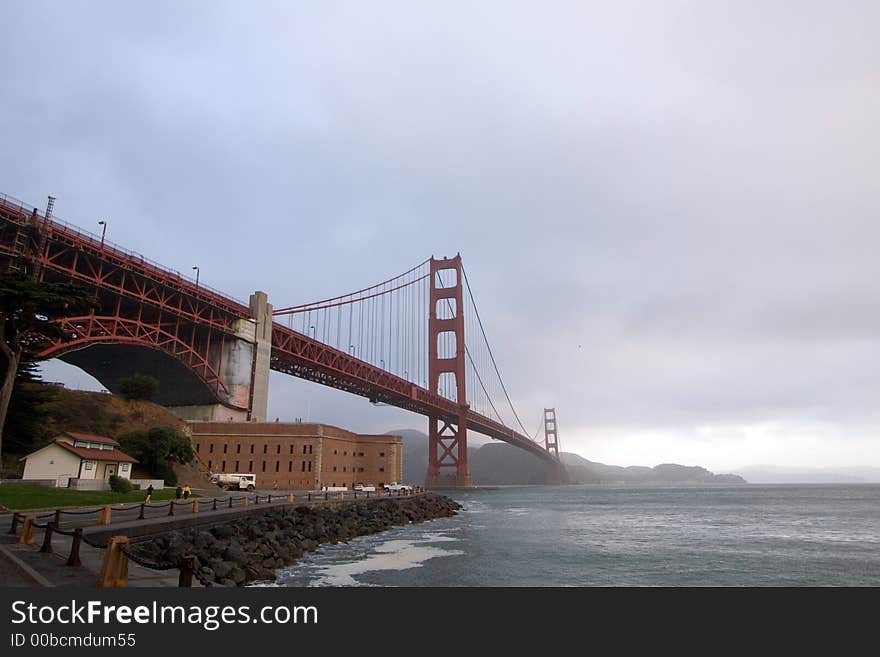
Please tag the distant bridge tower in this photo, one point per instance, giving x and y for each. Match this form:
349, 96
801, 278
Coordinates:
447, 441
551, 437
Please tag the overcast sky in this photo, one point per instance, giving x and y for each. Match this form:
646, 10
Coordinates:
668, 210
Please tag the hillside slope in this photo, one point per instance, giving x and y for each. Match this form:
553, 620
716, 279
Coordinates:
104, 414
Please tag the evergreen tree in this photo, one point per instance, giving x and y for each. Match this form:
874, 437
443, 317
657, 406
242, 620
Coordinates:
28, 309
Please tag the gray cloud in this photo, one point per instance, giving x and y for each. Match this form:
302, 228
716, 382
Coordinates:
668, 211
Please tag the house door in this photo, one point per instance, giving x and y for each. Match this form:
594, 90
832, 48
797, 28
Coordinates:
110, 471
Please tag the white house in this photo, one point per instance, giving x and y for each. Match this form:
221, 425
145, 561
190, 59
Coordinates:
78, 456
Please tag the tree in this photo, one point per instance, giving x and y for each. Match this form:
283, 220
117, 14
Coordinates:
26, 418
28, 309
157, 448
139, 387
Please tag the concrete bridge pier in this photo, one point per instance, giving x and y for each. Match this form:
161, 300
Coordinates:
244, 367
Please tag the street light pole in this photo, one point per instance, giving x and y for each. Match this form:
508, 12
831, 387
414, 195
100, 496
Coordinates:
103, 232
198, 271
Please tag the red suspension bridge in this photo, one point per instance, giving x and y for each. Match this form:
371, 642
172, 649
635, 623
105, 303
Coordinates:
415, 341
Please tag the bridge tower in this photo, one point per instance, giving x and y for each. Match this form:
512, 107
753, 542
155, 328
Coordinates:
447, 441
551, 437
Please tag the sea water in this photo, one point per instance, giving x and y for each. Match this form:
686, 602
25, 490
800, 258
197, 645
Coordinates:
738, 535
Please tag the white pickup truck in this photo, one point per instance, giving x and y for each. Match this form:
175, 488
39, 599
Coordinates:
394, 486
235, 481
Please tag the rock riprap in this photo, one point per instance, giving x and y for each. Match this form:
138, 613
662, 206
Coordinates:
253, 547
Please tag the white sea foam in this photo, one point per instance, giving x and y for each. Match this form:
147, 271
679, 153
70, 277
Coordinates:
389, 555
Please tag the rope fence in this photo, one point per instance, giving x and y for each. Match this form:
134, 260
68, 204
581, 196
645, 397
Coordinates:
188, 565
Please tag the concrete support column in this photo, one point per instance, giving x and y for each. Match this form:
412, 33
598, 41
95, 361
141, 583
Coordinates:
261, 311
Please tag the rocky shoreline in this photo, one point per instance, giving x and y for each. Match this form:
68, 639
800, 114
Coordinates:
251, 549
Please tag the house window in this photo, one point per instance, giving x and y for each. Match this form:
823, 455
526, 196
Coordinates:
264, 466
344, 469
291, 449
125, 467
80, 443
381, 453
265, 449
310, 449
211, 448
252, 449
238, 448
290, 466
224, 447
381, 469
310, 466
88, 465
335, 452
236, 466
198, 447
345, 453
303, 466
279, 450
223, 466
334, 468
277, 465
360, 469
250, 466
209, 465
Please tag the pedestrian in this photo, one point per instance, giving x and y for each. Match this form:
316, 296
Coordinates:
149, 494
186, 492
178, 492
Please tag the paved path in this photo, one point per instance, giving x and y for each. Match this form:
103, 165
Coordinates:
27, 566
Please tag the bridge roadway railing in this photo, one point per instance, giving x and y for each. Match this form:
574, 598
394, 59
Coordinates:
300, 355
112, 250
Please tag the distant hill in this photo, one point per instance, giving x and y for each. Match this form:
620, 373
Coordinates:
774, 474
496, 463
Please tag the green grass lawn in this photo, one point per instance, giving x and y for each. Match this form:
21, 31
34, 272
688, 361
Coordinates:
17, 497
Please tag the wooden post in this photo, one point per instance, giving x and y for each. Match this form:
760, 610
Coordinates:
73, 559
114, 570
104, 515
47, 538
194, 507
27, 531
14, 528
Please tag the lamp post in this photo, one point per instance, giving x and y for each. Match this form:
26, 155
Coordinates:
313, 334
351, 349
103, 232
198, 271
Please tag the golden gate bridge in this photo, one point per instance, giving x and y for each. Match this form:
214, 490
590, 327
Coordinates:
415, 341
